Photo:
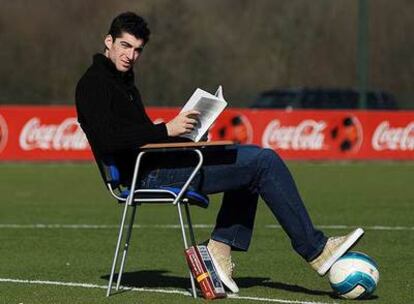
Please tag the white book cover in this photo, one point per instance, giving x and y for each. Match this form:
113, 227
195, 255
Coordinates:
210, 106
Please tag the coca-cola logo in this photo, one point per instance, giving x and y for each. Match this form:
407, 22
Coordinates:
307, 135
64, 136
386, 137
3, 133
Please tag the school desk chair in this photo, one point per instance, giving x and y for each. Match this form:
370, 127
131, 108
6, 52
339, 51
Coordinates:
132, 197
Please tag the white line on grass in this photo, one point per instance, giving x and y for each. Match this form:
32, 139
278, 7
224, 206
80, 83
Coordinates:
153, 290
86, 285
199, 226
237, 297
91, 226
345, 227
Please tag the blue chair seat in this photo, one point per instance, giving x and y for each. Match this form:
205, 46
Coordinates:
194, 198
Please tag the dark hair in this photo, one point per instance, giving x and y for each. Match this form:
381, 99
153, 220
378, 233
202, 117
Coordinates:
130, 23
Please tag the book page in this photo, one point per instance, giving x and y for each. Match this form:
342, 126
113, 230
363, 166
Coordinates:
195, 98
219, 93
209, 107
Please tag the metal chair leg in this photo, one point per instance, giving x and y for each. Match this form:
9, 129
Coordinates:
118, 245
126, 246
180, 216
190, 225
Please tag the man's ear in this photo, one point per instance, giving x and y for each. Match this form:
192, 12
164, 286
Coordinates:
108, 41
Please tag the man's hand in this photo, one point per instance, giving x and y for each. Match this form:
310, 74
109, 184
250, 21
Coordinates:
183, 123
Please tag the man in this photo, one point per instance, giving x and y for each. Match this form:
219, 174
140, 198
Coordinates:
113, 117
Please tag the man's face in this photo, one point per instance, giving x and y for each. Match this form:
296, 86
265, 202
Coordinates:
124, 51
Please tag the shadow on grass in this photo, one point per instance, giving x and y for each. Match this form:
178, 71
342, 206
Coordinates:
151, 279
161, 279
248, 282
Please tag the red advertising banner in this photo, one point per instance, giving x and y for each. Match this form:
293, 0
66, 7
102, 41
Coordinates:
41, 133
52, 133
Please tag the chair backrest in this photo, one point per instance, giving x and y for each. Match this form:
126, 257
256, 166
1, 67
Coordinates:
109, 172
112, 178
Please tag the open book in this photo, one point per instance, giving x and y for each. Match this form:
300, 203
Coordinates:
210, 106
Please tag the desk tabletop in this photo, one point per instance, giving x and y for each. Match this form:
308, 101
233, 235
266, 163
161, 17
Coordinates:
200, 144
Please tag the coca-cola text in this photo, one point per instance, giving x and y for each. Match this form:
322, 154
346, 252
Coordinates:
64, 136
388, 138
307, 135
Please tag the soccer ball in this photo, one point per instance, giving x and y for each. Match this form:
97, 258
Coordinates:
234, 127
353, 276
346, 134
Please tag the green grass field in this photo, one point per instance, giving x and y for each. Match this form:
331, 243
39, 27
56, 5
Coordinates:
68, 260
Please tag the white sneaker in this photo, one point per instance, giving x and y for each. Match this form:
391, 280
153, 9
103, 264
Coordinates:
335, 248
224, 267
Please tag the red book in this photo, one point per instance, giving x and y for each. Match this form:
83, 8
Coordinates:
204, 272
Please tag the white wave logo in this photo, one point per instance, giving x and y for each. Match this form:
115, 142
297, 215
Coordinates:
4, 132
387, 138
307, 135
64, 136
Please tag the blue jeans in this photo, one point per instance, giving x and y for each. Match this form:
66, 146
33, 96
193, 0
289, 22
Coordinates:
254, 172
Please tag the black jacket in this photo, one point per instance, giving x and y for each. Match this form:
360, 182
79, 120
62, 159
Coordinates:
111, 114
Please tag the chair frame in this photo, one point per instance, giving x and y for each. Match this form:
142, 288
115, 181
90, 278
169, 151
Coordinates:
133, 200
